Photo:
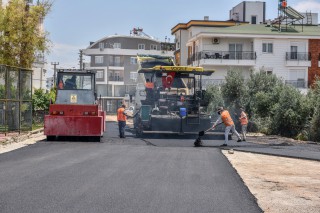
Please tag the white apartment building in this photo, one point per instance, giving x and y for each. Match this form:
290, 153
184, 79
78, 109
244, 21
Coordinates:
253, 12
291, 52
39, 73
114, 59
49, 84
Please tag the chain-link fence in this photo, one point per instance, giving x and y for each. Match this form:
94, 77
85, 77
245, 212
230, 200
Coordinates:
15, 99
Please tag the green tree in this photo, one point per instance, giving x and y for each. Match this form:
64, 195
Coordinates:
289, 114
20, 33
214, 96
314, 103
262, 93
40, 100
234, 90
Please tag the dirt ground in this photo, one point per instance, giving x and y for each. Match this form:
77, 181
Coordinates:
280, 184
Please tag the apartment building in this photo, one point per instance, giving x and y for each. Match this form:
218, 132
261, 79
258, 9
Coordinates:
253, 12
39, 73
291, 51
49, 84
114, 59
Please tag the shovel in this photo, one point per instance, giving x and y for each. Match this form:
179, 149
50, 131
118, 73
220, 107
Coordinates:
198, 141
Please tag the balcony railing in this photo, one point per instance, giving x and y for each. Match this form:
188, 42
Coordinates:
298, 56
115, 78
226, 55
297, 83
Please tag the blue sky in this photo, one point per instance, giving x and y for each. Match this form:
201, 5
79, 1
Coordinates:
72, 24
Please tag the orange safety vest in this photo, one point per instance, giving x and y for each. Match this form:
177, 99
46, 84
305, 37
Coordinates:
120, 114
149, 85
60, 84
243, 118
226, 118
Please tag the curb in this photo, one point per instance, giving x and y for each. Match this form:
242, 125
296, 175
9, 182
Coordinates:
21, 137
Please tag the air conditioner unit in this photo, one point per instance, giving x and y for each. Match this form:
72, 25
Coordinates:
215, 40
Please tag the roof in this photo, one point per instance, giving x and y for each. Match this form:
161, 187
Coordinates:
122, 36
252, 30
204, 23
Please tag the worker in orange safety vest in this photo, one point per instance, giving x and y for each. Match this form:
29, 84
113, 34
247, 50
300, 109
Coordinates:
244, 123
226, 119
60, 84
122, 118
149, 89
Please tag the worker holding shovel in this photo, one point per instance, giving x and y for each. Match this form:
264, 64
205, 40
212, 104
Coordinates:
226, 119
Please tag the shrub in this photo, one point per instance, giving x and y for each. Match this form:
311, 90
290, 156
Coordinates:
289, 114
214, 96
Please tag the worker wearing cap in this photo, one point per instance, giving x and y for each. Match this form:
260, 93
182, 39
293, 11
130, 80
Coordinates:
122, 118
244, 123
226, 119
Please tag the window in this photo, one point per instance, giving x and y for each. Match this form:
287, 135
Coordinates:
133, 60
253, 19
117, 61
153, 47
133, 76
98, 59
141, 46
101, 46
74, 82
267, 70
267, 47
235, 51
297, 78
99, 74
294, 52
117, 45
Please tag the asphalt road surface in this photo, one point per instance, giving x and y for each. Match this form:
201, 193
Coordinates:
121, 175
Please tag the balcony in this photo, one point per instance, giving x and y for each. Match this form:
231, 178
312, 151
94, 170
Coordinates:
115, 78
229, 58
301, 84
298, 59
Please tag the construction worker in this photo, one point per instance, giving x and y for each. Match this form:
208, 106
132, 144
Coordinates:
71, 83
149, 89
122, 118
228, 122
60, 84
244, 123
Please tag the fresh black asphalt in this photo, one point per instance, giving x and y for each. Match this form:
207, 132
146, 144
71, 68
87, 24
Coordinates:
120, 175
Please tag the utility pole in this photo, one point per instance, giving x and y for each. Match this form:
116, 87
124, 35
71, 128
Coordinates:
81, 59
54, 72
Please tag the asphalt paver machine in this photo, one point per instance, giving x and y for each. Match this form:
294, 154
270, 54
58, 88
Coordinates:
175, 102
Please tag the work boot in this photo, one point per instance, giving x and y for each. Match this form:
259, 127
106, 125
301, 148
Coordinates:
239, 140
224, 144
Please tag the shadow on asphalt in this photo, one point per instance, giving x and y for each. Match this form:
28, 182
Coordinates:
74, 139
209, 136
